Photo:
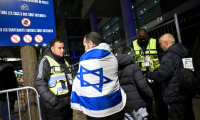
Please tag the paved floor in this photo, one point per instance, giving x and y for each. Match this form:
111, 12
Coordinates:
78, 115
196, 107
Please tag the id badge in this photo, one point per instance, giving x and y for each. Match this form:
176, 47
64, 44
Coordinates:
147, 61
187, 63
69, 76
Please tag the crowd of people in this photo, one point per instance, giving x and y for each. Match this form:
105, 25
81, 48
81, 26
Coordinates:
146, 82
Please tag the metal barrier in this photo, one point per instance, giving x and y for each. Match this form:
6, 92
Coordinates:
18, 99
168, 27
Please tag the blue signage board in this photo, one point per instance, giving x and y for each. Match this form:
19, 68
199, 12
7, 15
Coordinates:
26, 22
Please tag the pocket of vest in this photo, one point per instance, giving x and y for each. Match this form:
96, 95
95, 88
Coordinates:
62, 87
63, 84
53, 81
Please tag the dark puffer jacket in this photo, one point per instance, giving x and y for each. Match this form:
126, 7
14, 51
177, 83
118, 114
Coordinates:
42, 75
7, 81
191, 79
167, 74
133, 83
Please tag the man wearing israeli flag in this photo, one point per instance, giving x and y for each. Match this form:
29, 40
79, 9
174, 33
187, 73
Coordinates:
96, 90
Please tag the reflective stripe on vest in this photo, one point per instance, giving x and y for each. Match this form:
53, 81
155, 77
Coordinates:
57, 82
139, 58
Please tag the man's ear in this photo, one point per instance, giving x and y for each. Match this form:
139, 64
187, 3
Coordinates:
51, 49
91, 44
166, 43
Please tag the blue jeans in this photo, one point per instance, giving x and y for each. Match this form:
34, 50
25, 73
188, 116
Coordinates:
4, 110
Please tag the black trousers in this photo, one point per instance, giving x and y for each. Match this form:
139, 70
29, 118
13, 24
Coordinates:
157, 109
181, 111
117, 116
66, 113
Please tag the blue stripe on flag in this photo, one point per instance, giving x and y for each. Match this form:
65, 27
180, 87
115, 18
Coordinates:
95, 54
98, 103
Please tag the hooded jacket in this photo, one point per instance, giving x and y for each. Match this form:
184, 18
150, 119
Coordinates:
8, 81
42, 75
133, 83
167, 74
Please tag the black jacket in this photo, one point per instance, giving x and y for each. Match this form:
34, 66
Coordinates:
42, 75
133, 83
188, 78
167, 74
8, 81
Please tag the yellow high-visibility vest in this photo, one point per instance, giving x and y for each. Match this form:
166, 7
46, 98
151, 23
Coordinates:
58, 82
150, 52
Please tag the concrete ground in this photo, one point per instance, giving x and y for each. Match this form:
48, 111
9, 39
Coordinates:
196, 107
78, 115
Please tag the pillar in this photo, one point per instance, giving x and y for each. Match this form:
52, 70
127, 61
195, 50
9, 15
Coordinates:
29, 61
128, 19
93, 20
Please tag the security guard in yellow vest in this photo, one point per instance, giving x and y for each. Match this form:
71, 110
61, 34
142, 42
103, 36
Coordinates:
58, 80
53, 82
147, 54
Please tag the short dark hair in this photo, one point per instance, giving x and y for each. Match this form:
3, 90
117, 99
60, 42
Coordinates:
142, 30
52, 42
94, 37
126, 50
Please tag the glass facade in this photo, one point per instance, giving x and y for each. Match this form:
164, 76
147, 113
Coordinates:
144, 11
112, 31
148, 16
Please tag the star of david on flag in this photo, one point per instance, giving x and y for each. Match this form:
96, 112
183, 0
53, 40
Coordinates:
97, 72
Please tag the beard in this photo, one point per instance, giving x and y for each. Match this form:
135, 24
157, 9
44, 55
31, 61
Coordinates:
143, 42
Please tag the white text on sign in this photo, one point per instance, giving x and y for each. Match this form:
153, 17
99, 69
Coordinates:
26, 30
22, 14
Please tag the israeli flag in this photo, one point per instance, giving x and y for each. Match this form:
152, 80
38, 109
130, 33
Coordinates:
96, 90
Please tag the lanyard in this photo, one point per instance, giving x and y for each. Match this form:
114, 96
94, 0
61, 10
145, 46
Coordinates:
149, 48
64, 68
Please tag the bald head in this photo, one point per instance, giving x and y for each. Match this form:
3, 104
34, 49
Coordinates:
166, 41
168, 37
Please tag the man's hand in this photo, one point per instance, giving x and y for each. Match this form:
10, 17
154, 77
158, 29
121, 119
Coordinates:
59, 106
62, 102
